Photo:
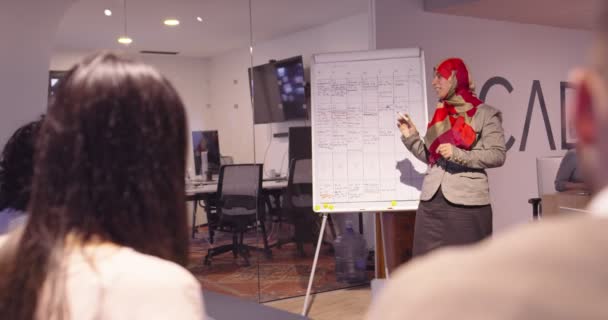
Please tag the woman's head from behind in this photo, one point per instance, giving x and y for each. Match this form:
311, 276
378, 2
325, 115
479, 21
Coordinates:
109, 167
111, 158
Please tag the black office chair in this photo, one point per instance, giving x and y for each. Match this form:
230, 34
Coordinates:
297, 205
537, 208
240, 207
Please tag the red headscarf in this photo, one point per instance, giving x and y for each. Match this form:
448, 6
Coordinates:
451, 122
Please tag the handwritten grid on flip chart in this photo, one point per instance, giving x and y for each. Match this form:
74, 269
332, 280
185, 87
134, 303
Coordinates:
358, 155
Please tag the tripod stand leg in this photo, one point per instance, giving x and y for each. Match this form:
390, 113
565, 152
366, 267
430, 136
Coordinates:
314, 265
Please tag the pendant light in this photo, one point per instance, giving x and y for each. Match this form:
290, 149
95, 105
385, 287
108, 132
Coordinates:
125, 39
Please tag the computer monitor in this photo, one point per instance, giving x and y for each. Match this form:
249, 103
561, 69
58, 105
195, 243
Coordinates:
292, 88
206, 143
300, 143
54, 78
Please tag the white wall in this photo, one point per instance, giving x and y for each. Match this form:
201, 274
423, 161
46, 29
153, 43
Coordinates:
520, 53
236, 125
188, 76
26, 33
230, 107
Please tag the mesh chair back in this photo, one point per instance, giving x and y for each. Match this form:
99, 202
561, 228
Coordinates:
239, 188
299, 187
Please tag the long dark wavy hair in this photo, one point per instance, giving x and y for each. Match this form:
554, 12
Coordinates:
109, 166
17, 167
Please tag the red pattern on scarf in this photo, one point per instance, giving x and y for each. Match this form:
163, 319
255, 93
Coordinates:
461, 134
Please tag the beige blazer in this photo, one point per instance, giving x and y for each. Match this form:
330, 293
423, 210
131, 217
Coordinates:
465, 181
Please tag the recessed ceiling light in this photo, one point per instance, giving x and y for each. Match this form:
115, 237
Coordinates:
171, 22
125, 40
199, 19
107, 12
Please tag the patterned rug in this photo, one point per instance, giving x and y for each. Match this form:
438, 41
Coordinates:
284, 275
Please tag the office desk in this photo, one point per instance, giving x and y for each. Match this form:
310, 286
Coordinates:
202, 193
207, 191
211, 187
552, 203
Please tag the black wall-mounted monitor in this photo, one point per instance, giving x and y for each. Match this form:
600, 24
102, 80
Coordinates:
279, 91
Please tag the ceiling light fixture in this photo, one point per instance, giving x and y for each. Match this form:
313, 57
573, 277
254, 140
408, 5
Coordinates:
171, 22
125, 39
199, 19
107, 12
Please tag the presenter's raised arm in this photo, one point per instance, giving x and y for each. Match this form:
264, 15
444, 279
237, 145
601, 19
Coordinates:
411, 138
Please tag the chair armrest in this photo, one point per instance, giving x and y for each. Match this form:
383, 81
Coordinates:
536, 207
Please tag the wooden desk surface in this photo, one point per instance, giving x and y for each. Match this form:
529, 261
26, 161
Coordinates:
569, 199
212, 187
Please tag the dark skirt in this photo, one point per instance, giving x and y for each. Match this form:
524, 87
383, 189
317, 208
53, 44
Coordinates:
441, 223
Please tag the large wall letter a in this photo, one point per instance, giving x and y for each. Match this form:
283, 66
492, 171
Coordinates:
537, 90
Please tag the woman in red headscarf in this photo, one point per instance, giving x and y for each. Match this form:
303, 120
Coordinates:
463, 138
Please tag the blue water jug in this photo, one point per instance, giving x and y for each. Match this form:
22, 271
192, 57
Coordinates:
351, 256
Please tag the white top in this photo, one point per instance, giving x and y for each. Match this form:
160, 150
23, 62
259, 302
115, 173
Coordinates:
110, 282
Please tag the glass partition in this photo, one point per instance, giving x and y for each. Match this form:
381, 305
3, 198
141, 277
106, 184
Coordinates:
285, 36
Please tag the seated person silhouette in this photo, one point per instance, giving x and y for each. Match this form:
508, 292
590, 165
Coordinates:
16, 171
569, 176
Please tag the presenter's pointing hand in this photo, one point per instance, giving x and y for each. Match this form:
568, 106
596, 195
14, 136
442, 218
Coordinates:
406, 126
